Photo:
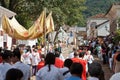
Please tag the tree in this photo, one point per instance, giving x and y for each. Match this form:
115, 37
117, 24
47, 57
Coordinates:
22, 9
97, 6
64, 11
117, 34
116, 38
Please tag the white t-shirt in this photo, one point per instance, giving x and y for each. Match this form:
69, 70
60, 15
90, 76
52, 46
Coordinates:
71, 55
26, 58
61, 57
35, 58
90, 58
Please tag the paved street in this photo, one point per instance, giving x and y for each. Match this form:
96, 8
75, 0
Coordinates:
107, 72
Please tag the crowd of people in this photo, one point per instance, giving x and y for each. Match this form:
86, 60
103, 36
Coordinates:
21, 63
108, 51
25, 62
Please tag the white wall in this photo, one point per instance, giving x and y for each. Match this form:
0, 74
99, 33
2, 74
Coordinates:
27, 42
98, 21
1, 37
9, 42
104, 29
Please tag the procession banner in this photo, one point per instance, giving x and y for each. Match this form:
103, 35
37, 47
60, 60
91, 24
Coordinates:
17, 31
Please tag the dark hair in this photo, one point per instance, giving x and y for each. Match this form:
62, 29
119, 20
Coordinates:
81, 54
95, 69
75, 54
0, 49
57, 54
28, 48
49, 59
33, 46
6, 54
68, 63
16, 52
14, 74
74, 49
76, 68
118, 57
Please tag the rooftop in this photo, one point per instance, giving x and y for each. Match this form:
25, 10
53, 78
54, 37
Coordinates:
101, 15
7, 12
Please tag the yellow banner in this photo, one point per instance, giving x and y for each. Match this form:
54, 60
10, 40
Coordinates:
17, 31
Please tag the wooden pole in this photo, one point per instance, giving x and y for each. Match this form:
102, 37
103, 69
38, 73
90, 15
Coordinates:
44, 28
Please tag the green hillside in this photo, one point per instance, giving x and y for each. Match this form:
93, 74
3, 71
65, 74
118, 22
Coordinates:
97, 6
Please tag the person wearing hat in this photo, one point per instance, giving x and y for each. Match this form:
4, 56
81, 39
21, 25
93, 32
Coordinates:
6, 63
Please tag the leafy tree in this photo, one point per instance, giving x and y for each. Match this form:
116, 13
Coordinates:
21, 8
64, 11
116, 38
117, 34
70, 12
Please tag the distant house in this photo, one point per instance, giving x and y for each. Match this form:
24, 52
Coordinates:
5, 40
104, 24
79, 33
103, 29
96, 24
113, 15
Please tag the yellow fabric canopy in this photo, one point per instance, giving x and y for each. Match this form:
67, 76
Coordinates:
42, 25
49, 23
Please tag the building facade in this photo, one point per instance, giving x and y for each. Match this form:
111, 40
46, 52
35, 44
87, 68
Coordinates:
5, 40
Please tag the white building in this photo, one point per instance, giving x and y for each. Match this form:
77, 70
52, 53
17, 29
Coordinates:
98, 26
5, 40
103, 29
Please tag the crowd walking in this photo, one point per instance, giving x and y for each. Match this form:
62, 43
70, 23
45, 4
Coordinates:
26, 61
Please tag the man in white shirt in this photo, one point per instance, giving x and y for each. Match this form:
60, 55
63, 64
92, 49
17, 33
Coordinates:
27, 57
5, 65
35, 60
71, 55
20, 65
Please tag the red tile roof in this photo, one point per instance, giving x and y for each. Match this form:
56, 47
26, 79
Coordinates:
101, 15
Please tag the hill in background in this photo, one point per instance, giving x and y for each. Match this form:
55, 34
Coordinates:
98, 6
